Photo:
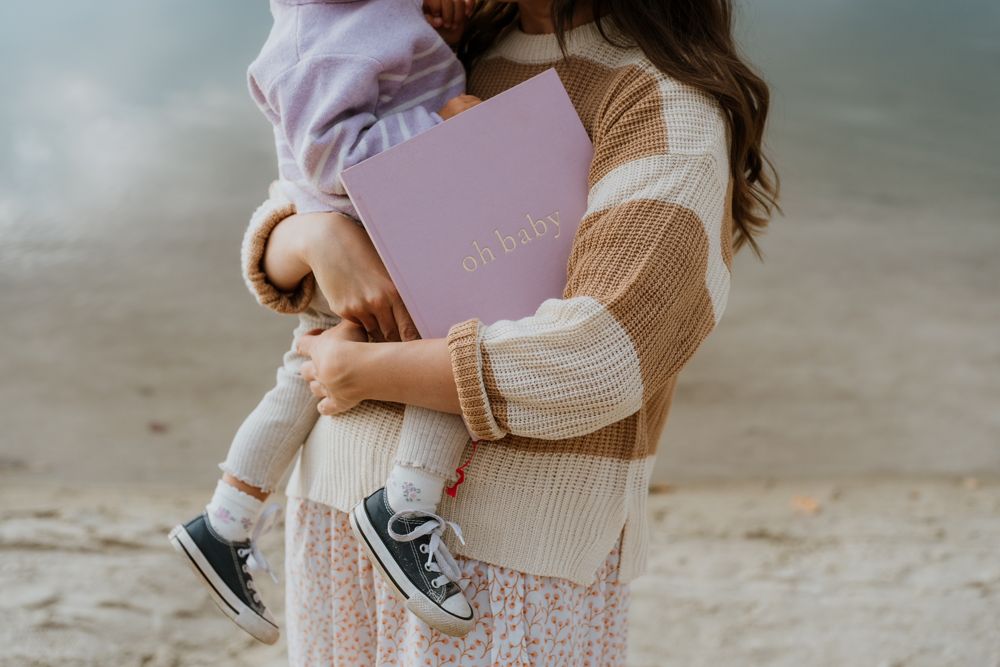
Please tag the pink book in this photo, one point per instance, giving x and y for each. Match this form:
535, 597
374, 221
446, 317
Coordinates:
476, 216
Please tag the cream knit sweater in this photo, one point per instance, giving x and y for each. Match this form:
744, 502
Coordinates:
574, 397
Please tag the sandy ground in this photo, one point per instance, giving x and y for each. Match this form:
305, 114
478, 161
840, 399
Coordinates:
854, 572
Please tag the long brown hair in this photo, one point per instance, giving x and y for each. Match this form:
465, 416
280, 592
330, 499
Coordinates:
692, 42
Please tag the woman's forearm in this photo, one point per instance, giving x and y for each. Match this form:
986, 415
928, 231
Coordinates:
284, 263
415, 373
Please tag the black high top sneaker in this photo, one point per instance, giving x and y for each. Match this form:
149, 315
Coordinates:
406, 548
224, 569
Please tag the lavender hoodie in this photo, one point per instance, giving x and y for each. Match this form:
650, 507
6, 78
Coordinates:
342, 80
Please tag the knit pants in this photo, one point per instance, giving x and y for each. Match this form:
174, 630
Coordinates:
270, 437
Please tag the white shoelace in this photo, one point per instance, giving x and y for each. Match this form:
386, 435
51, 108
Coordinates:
439, 559
255, 557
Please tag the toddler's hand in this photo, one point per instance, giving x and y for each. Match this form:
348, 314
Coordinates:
448, 17
457, 105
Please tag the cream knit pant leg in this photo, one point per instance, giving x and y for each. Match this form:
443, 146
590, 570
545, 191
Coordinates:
433, 441
271, 435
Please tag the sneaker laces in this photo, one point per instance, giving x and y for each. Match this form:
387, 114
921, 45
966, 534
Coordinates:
439, 559
255, 560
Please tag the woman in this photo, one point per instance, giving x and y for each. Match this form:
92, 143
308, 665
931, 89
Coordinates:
572, 399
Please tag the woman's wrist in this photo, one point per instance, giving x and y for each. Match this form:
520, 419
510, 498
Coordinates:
284, 263
363, 384
414, 373
321, 236
298, 242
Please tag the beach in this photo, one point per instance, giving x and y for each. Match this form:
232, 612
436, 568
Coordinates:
827, 488
822, 573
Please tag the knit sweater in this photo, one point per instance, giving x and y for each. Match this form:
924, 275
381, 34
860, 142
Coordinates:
343, 80
570, 402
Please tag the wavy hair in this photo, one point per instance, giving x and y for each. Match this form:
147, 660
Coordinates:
691, 41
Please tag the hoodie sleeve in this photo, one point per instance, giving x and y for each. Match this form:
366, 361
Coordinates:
326, 110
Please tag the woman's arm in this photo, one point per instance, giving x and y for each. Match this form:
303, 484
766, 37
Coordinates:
344, 372
647, 281
285, 261
426, 365
265, 220
648, 278
286, 256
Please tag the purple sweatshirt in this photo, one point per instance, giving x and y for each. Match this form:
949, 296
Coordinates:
342, 80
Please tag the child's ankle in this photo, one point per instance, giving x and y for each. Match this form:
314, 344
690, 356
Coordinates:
413, 489
238, 484
232, 513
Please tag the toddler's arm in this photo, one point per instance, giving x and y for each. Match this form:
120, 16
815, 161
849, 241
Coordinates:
326, 110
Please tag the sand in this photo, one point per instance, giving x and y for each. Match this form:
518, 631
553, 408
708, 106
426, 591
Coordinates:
852, 572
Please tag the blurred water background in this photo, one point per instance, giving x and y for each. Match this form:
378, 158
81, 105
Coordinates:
868, 341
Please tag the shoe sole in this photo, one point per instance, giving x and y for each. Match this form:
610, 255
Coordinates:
412, 597
246, 618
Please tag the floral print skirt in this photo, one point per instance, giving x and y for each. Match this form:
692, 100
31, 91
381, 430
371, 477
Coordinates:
340, 612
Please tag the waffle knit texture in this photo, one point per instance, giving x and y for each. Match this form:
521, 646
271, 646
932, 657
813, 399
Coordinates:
342, 81
574, 397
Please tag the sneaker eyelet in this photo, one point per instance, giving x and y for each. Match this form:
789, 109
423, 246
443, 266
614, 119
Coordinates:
423, 548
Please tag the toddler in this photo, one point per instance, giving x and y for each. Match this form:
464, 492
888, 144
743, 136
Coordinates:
340, 81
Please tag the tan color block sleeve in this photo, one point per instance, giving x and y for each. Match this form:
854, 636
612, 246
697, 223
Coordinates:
262, 223
463, 342
647, 282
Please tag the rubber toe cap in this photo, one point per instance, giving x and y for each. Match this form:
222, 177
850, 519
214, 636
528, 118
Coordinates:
458, 606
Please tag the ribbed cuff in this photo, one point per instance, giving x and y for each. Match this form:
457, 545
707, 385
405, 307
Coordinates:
433, 441
262, 223
467, 366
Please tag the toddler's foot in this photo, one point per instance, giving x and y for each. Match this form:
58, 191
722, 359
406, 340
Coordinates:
407, 548
222, 566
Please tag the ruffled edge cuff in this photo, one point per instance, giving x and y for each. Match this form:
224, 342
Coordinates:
467, 367
262, 223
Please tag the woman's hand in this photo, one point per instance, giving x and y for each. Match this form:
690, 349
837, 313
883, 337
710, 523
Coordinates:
347, 269
330, 371
343, 370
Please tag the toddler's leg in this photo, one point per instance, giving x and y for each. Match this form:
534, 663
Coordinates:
430, 448
216, 544
400, 530
266, 442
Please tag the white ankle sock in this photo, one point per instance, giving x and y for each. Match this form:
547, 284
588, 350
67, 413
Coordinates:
413, 489
233, 513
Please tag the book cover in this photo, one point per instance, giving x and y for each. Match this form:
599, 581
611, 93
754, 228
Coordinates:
476, 216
